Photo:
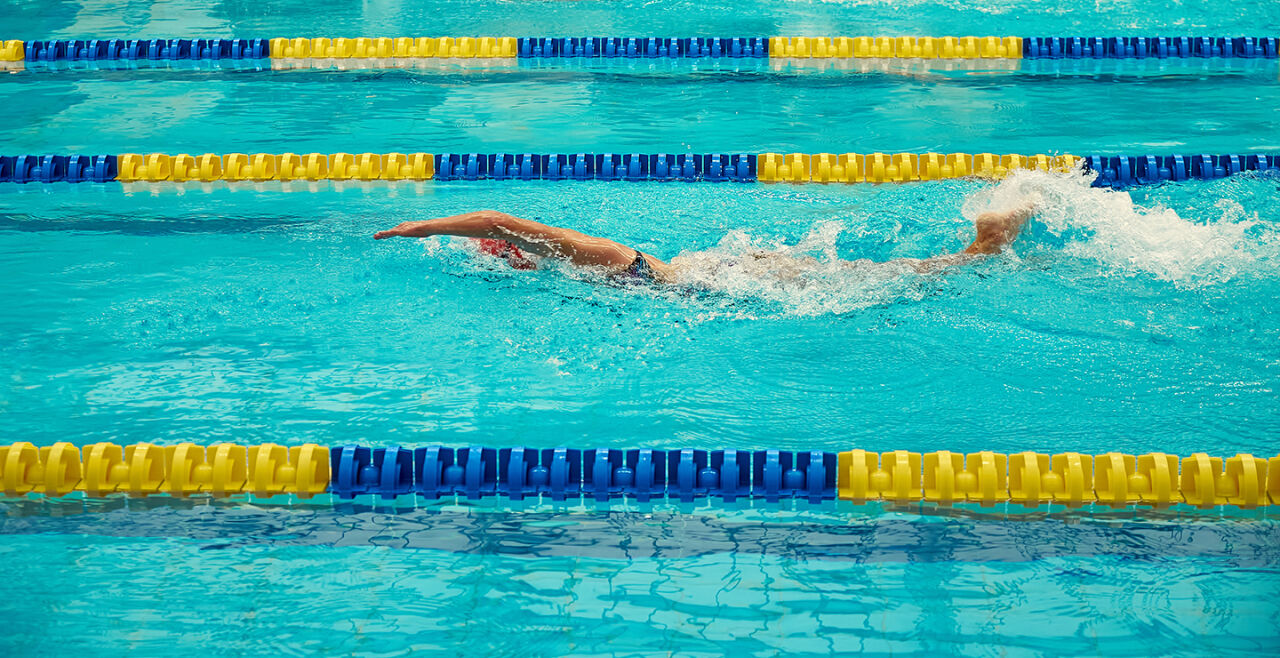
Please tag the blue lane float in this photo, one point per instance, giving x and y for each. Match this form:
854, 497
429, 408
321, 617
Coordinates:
145, 49
713, 167
1127, 171
642, 47
1148, 47
600, 474
58, 168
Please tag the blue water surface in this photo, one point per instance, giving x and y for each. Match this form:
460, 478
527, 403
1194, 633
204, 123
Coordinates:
152, 577
263, 315
34, 20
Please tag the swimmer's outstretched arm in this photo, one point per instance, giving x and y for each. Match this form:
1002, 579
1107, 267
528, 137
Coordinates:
534, 237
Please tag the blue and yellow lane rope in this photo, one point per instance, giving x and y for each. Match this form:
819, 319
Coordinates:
795, 168
1071, 479
776, 47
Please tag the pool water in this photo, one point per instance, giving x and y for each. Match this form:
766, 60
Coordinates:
260, 316
1132, 321
240, 580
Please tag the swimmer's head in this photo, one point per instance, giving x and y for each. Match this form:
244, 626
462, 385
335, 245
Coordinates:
506, 251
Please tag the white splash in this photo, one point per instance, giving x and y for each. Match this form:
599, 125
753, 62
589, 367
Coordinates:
1074, 222
1106, 226
807, 278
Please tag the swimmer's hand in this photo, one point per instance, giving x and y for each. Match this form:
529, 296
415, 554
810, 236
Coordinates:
995, 230
403, 230
1030, 205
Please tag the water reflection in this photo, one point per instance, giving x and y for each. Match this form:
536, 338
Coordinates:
845, 533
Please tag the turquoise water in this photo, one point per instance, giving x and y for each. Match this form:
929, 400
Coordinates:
1134, 321
573, 17
240, 580
269, 316
551, 110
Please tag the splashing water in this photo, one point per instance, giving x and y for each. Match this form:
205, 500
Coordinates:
1073, 220
807, 278
1107, 227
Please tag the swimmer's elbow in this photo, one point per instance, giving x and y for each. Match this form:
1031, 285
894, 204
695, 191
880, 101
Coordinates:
500, 225
982, 248
494, 221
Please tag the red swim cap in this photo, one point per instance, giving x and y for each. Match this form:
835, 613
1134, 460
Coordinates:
506, 251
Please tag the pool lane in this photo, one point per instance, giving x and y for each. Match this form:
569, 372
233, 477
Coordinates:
538, 110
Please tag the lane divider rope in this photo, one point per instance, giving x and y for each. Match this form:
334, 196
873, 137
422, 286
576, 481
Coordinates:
986, 478
796, 168
777, 47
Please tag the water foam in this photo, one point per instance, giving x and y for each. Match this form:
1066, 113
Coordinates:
805, 278
1074, 222
1109, 228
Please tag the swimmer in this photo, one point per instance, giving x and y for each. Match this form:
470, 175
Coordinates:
521, 242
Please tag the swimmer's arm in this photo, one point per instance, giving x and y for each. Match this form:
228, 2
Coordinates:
995, 230
534, 237
479, 224
937, 263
